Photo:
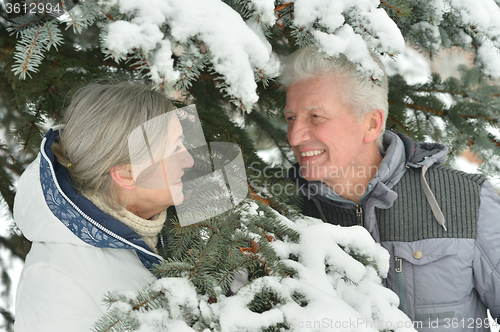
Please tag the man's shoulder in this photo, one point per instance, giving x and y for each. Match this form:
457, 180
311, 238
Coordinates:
442, 170
456, 193
446, 182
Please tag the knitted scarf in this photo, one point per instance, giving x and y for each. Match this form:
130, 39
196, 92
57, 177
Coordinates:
147, 229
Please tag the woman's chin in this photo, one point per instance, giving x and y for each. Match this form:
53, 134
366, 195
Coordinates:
178, 197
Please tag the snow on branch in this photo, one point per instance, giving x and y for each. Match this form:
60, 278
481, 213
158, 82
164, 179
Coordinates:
227, 38
468, 24
333, 277
353, 28
483, 19
238, 50
173, 41
265, 11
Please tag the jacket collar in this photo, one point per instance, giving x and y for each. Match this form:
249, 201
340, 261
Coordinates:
80, 215
419, 154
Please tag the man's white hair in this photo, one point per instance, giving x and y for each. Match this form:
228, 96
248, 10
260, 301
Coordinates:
361, 94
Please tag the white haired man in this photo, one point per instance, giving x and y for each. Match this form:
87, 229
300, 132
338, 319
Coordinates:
440, 226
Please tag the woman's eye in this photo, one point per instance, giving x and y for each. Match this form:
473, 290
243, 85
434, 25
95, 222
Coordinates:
177, 149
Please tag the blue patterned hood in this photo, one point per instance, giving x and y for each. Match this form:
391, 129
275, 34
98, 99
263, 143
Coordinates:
48, 209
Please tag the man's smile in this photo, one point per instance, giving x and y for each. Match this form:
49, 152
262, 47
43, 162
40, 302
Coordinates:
311, 153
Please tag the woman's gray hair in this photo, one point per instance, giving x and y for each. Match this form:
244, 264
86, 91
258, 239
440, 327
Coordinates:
361, 94
97, 124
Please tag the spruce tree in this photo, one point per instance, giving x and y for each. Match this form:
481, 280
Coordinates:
44, 58
303, 275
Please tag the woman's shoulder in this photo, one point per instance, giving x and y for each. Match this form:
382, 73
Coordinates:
95, 269
62, 286
80, 274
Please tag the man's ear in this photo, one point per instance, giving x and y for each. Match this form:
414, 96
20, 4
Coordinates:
374, 121
123, 177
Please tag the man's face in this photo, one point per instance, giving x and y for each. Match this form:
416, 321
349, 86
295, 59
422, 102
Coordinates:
327, 139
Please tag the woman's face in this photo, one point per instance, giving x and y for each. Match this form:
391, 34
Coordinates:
160, 185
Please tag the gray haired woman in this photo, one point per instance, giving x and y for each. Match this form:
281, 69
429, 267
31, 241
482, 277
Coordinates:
94, 227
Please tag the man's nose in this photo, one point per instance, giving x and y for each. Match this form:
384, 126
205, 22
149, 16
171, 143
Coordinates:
298, 132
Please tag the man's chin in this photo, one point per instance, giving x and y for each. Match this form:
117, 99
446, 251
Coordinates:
311, 175
315, 179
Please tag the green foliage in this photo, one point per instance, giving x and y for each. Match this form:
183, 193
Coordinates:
210, 253
202, 257
264, 301
206, 255
458, 112
124, 309
33, 43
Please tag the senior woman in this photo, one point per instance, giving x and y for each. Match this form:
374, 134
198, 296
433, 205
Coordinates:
94, 227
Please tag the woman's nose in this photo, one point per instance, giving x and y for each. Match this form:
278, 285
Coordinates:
187, 160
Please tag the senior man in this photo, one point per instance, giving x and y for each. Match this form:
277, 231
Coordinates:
440, 226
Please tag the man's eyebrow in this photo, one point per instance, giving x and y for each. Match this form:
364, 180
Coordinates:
313, 107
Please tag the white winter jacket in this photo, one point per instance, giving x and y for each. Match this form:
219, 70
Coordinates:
79, 253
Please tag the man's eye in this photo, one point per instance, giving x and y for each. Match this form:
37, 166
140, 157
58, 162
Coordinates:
315, 116
290, 118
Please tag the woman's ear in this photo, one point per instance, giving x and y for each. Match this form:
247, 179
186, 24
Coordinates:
123, 176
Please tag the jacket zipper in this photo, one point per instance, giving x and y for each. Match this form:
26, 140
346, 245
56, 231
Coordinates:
358, 206
399, 273
359, 214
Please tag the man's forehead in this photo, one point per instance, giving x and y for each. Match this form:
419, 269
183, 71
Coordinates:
307, 108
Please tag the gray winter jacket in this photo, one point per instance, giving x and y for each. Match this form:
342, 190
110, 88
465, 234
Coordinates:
443, 234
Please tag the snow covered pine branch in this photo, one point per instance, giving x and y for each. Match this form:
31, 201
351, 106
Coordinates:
210, 32
227, 38
231, 38
332, 281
